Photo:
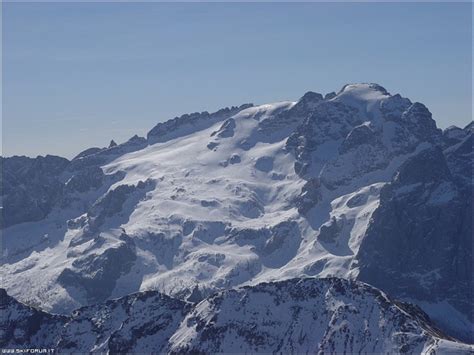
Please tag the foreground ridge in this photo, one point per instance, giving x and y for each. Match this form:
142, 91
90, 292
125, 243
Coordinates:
328, 315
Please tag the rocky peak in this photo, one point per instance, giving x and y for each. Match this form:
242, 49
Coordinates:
419, 122
307, 103
311, 97
417, 111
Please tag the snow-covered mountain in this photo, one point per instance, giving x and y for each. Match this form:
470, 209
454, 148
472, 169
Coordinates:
294, 316
355, 185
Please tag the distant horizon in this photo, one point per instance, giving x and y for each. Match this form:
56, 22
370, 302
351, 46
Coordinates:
81, 74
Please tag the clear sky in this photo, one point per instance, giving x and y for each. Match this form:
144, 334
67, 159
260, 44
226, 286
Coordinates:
77, 75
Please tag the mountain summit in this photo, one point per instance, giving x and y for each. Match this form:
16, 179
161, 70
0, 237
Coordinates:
358, 185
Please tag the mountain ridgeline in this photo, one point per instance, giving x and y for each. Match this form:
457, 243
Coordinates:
255, 224
327, 315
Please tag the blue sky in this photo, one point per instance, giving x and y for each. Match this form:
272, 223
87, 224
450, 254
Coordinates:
77, 75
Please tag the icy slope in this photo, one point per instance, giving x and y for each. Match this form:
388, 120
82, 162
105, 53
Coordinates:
293, 316
211, 201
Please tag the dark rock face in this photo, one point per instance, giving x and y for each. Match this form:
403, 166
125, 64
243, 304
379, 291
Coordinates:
234, 159
328, 233
343, 138
420, 123
419, 242
309, 197
226, 130
212, 145
429, 166
308, 101
33, 187
111, 204
412, 124
360, 135
97, 274
328, 121
89, 178
23, 326
394, 106
109, 255
283, 244
282, 123
30, 187
360, 153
